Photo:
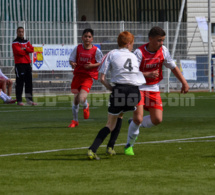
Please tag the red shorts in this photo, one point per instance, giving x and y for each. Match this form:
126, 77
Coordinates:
81, 81
1, 83
151, 99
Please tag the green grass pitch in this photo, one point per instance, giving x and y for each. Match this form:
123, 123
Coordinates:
39, 155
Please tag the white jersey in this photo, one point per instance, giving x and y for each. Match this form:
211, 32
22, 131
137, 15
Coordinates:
168, 63
123, 66
2, 76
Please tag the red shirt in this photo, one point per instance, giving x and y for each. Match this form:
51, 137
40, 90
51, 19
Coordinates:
83, 56
151, 62
21, 56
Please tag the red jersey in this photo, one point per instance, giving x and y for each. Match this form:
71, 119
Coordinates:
83, 56
151, 62
21, 56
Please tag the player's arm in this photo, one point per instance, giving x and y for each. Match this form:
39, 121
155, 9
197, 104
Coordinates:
17, 50
169, 63
151, 74
105, 82
72, 58
89, 65
105, 64
154, 74
180, 77
98, 57
73, 64
29, 48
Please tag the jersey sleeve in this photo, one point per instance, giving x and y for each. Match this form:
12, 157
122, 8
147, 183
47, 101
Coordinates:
29, 48
99, 55
2, 75
17, 50
168, 61
139, 56
105, 64
73, 55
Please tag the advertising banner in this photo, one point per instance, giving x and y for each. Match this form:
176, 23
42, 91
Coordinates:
52, 57
189, 69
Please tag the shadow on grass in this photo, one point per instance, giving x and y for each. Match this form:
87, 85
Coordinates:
71, 157
208, 156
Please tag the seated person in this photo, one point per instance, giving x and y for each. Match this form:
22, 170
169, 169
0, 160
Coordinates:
5, 84
6, 99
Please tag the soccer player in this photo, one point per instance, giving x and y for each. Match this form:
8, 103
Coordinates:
5, 84
84, 59
152, 57
124, 68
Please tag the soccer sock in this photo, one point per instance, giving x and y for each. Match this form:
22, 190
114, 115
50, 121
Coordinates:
85, 104
102, 134
4, 97
75, 109
147, 123
115, 133
133, 132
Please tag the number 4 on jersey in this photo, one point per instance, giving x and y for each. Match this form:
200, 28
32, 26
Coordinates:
128, 65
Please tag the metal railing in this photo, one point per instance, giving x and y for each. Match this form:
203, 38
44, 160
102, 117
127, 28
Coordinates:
189, 47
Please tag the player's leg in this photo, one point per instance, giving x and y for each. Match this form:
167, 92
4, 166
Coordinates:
86, 85
9, 87
75, 110
155, 118
3, 85
6, 98
102, 134
133, 130
28, 84
19, 83
75, 89
153, 104
113, 137
80, 98
83, 101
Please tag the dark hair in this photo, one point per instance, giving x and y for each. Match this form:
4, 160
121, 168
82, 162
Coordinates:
83, 18
88, 30
156, 31
20, 27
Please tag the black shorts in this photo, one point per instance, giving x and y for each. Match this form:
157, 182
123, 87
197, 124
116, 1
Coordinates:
123, 98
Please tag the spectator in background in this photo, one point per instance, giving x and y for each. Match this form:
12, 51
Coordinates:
21, 50
81, 26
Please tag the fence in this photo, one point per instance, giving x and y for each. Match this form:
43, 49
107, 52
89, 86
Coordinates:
189, 47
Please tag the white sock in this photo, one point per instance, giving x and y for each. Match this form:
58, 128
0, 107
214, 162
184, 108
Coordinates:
85, 104
4, 97
75, 109
147, 123
133, 132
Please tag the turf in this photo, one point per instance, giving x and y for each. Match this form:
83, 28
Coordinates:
183, 165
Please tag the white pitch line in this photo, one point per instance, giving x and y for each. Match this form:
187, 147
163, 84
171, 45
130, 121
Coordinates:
150, 142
